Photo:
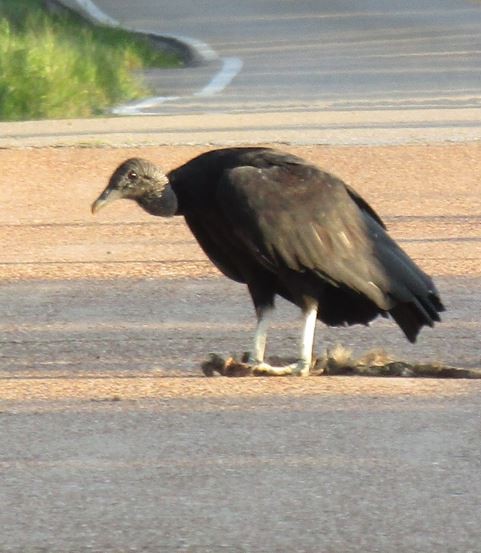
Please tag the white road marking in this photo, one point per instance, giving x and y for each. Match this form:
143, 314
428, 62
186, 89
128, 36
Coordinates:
206, 52
230, 66
136, 108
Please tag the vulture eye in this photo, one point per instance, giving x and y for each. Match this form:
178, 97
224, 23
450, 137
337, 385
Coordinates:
132, 175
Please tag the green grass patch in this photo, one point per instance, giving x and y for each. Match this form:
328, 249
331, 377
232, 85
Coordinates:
56, 65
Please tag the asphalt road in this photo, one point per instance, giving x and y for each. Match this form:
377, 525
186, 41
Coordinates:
310, 55
331, 472
111, 439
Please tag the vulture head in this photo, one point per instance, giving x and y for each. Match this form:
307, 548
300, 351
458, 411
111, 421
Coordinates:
139, 180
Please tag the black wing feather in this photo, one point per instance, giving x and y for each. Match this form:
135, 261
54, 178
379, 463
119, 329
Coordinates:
296, 216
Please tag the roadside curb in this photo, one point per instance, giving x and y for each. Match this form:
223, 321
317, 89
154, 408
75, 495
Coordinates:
193, 52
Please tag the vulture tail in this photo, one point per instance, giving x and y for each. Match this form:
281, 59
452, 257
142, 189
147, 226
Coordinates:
421, 311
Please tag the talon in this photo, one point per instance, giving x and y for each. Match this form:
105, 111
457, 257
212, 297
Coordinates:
301, 368
264, 369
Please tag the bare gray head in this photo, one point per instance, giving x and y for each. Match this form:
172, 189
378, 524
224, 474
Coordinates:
142, 181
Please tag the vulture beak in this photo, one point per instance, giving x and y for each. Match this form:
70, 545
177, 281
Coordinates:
107, 197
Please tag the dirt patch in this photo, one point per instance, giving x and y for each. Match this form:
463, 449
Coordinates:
428, 196
108, 388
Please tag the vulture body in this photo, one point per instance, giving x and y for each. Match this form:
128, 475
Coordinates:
284, 227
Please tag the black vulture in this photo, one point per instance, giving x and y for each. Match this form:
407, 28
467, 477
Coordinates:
284, 227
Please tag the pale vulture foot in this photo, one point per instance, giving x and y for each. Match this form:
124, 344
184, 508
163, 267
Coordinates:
301, 368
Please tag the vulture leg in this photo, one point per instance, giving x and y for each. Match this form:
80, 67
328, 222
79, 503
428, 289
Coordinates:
307, 340
303, 365
260, 336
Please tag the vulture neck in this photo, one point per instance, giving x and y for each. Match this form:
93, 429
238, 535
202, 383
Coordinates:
162, 203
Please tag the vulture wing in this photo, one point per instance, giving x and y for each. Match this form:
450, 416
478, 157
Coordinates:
294, 215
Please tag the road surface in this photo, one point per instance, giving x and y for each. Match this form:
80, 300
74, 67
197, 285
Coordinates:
308, 55
111, 439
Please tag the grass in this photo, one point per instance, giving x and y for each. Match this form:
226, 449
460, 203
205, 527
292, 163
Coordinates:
55, 65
